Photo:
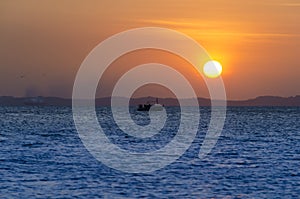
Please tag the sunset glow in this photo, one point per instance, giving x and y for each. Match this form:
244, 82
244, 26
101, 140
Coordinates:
150, 99
46, 42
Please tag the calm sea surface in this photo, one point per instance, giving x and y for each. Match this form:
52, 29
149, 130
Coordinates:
257, 156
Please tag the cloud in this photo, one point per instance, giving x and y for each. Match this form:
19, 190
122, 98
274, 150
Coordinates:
214, 28
290, 4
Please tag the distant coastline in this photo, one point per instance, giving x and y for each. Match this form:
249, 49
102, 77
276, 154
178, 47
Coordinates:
56, 101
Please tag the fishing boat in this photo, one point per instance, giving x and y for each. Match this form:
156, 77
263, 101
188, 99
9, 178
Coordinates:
153, 106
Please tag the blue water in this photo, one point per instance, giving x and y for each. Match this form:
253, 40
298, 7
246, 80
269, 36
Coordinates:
257, 156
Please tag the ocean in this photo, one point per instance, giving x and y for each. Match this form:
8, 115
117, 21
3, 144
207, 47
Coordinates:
256, 156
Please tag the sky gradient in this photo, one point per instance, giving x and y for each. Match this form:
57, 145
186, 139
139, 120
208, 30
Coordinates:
42, 43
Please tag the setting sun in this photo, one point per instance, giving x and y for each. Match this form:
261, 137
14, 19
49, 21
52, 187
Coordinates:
212, 69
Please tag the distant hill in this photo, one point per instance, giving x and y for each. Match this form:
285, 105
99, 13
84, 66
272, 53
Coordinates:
268, 101
55, 101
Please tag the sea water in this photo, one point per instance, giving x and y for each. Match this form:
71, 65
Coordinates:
256, 156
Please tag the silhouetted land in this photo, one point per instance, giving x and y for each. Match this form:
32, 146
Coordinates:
55, 101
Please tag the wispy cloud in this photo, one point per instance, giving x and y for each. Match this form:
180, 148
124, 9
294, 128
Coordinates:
279, 3
214, 28
290, 4
188, 23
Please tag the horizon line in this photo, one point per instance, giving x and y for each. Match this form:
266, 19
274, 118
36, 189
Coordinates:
245, 99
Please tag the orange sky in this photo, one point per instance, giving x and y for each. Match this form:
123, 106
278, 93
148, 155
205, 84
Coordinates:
42, 43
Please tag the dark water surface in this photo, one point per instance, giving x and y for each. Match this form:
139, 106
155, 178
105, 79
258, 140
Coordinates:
257, 156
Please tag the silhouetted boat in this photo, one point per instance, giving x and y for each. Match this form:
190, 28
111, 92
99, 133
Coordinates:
153, 106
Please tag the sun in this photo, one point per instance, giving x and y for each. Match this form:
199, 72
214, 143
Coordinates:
212, 69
